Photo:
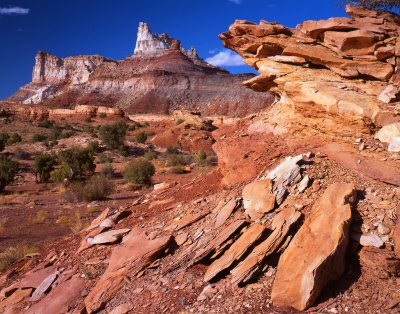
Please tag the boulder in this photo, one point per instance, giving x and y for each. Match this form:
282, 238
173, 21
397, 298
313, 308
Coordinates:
386, 134
258, 198
389, 94
316, 254
285, 175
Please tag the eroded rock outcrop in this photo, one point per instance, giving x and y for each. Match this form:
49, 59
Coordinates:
340, 64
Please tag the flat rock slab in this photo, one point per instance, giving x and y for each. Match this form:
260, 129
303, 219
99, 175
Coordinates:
345, 155
97, 221
258, 198
225, 212
31, 280
236, 251
216, 243
59, 300
185, 221
316, 254
133, 255
108, 237
44, 287
18, 296
281, 225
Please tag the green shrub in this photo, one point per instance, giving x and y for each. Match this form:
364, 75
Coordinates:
141, 137
58, 175
8, 170
201, 157
103, 158
123, 150
76, 164
139, 171
89, 129
15, 138
96, 188
67, 134
44, 165
55, 133
21, 154
102, 115
134, 126
45, 124
39, 137
178, 170
93, 146
107, 170
172, 150
150, 155
178, 160
113, 135
4, 137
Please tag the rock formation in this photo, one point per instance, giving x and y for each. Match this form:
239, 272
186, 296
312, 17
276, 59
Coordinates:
159, 78
341, 65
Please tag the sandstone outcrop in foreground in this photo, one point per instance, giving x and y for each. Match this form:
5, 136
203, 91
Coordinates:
159, 78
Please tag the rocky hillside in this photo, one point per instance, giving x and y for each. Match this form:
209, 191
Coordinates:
160, 77
300, 215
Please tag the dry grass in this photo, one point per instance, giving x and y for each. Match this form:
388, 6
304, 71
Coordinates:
14, 254
41, 216
3, 222
75, 223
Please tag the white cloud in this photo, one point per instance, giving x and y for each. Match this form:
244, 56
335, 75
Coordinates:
13, 11
236, 1
226, 58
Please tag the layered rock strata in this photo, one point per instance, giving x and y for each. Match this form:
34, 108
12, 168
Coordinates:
161, 77
342, 65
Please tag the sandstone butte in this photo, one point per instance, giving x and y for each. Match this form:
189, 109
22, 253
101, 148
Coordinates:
159, 77
279, 217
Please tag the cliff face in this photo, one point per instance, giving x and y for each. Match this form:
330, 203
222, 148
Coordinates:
160, 77
52, 69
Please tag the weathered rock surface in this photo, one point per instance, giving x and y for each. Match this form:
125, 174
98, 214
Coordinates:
225, 212
316, 254
161, 77
346, 49
384, 171
135, 253
258, 198
281, 226
246, 240
60, 300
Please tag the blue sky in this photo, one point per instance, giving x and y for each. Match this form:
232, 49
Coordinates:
108, 27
